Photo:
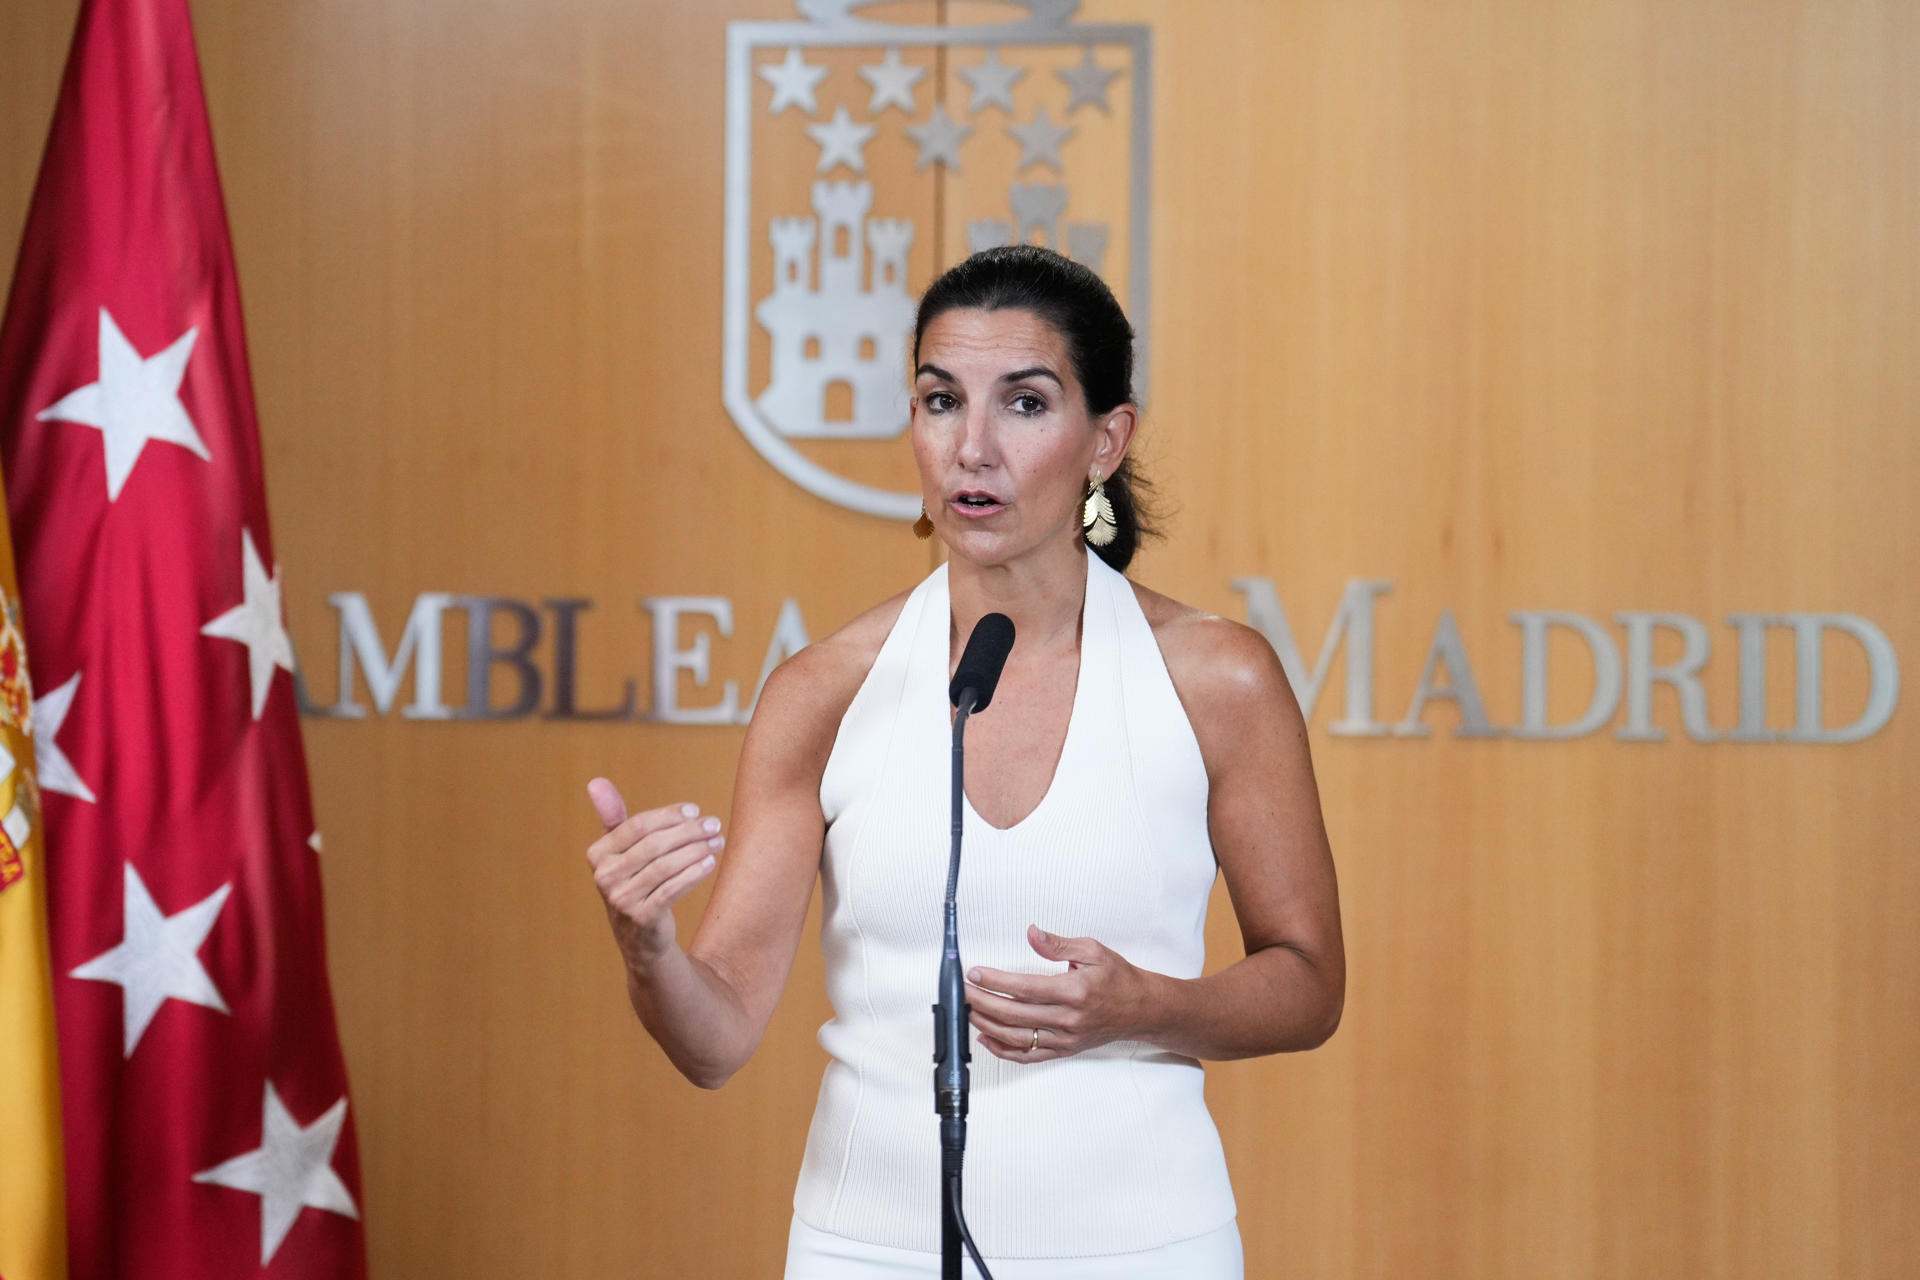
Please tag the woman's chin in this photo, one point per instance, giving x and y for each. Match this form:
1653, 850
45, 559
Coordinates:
987, 545
981, 543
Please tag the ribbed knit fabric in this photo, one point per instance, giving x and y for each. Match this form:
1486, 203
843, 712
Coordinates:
1103, 1152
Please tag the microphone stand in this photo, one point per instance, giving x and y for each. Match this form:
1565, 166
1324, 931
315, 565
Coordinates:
951, 1047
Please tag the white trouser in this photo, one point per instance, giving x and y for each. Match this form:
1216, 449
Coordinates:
820, 1255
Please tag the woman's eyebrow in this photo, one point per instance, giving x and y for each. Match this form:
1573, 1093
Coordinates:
1037, 371
1018, 375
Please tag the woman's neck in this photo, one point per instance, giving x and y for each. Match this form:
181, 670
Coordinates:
1042, 593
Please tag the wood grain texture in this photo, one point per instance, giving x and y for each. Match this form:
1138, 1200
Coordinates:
1545, 305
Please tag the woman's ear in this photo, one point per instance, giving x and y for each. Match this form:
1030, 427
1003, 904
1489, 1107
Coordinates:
1116, 433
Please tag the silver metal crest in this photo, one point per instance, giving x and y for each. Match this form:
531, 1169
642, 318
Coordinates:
1025, 148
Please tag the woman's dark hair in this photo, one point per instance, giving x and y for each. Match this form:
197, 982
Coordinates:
1082, 310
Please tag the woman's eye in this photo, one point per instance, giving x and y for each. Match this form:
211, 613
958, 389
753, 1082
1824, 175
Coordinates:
939, 401
1029, 404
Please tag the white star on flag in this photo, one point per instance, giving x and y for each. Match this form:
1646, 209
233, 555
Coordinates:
290, 1170
157, 959
56, 771
135, 400
1040, 140
1088, 82
793, 83
840, 141
892, 83
939, 136
992, 82
256, 623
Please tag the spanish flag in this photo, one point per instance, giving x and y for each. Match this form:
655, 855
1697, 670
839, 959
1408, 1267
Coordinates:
33, 1237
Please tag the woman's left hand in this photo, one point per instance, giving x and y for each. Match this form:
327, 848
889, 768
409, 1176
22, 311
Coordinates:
1099, 999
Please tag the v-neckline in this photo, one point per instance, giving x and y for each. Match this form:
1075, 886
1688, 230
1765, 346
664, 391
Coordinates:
1074, 714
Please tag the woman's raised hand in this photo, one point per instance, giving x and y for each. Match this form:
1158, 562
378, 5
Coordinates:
644, 864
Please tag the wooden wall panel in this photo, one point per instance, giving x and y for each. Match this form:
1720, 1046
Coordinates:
1516, 306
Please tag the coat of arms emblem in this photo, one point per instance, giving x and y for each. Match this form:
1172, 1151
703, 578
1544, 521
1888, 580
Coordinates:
864, 156
19, 798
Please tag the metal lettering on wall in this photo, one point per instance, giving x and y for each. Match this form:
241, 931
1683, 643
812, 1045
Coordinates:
831, 282
522, 660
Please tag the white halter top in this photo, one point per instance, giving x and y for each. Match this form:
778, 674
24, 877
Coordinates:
1108, 1151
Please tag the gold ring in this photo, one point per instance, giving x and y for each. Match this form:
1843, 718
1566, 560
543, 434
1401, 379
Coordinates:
1036, 1041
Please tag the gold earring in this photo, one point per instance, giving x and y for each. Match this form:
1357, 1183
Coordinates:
923, 527
1096, 518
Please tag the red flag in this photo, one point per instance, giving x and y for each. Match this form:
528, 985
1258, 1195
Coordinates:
205, 1102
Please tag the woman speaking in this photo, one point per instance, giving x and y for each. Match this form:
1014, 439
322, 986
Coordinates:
1134, 746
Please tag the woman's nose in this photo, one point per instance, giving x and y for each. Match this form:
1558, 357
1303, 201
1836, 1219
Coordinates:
976, 443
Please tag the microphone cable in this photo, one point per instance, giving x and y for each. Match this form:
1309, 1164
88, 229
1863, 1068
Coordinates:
966, 1237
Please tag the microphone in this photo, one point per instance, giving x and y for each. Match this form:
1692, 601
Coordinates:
982, 660
971, 690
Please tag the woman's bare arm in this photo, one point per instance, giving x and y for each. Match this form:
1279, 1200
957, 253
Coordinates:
708, 1005
1264, 816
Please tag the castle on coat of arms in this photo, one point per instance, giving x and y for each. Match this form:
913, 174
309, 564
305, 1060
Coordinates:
848, 327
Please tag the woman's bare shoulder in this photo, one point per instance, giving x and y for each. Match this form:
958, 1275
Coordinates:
1222, 669
812, 689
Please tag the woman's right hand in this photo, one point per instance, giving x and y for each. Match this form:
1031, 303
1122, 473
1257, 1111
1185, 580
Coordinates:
646, 863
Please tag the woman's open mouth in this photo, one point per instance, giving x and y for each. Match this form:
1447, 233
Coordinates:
975, 503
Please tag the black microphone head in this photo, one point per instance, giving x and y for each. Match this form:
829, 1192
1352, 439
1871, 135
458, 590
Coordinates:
982, 660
